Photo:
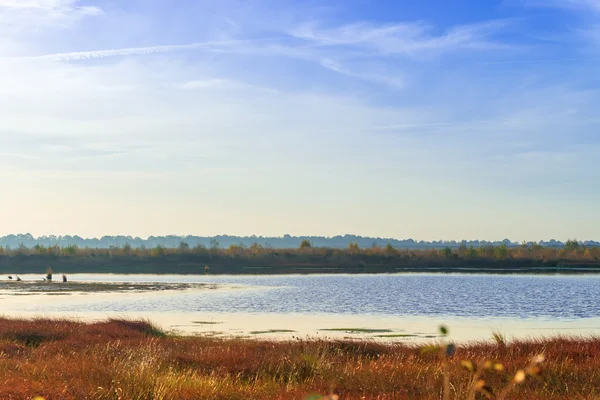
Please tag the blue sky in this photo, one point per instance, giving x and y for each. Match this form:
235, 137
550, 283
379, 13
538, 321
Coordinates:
392, 118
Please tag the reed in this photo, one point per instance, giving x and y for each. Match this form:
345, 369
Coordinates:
125, 359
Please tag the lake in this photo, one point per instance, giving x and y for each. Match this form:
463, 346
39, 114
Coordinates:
397, 306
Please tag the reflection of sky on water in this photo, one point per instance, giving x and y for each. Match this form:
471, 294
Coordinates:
383, 295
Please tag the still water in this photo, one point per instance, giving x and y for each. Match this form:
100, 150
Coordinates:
411, 295
497, 301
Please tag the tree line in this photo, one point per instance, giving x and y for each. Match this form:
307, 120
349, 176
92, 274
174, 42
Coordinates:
572, 250
283, 242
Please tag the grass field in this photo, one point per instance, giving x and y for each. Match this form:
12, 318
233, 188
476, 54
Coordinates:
122, 359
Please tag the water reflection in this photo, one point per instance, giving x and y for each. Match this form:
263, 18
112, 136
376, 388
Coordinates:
384, 295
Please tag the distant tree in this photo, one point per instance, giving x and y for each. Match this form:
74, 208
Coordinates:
487, 251
235, 250
536, 250
462, 249
305, 244
183, 247
22, 249
127, 248
353, 249
214, 247
200, 249
390, 250
256, 249
447, 252
572, 245
70, 250
501, 252
472, 252
158, 251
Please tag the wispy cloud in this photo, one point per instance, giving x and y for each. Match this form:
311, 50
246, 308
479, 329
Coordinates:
589, 13
22, 20
565, 4
396, 81
139, 51
36, 10
204, 84
404, 38
219, 83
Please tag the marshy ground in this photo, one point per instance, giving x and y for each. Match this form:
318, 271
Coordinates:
127, 359
40, 287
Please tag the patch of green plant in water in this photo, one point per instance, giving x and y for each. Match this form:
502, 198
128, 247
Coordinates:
357, 330
397, 335
211, 333
271, 331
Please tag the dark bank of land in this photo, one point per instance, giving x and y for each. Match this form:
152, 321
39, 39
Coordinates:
574, 258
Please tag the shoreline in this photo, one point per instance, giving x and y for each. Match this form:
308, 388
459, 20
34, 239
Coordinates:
259, 271
380, 329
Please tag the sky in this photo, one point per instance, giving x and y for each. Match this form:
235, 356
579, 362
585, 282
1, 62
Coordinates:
395, 118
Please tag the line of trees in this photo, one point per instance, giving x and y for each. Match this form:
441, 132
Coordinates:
285, 241
572, 250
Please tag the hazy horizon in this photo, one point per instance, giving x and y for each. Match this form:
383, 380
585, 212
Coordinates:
399, 119
249, 239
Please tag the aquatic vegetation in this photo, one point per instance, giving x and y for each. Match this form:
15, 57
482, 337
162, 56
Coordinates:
398, 335
39, 287
357, 330
271, 331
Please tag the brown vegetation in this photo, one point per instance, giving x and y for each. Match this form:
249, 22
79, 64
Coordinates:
120, 359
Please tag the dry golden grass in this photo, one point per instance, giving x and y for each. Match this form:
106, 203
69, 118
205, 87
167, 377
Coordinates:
120, 359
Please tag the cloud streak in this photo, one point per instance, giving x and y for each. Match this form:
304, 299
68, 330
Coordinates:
404, 38
137, 51
565, 4
396, 81
22, 12
587, 10
48, 5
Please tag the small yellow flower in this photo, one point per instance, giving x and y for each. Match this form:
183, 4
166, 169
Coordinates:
519, 376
